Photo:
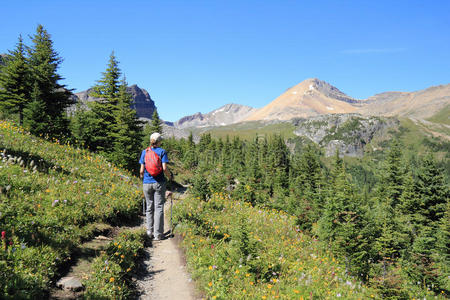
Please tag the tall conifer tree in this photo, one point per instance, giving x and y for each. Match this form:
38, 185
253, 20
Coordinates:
307, 187
156, 122
342, 221
105, 108
44, 62
127, 131
35, 116
15, 89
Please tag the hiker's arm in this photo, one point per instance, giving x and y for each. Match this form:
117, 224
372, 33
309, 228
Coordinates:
166, 171
141, 172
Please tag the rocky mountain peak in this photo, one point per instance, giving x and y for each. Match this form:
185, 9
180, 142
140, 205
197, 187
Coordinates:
326, 89
225, 115
310, 97
142, 102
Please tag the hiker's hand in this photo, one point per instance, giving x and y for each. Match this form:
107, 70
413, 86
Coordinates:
168, 194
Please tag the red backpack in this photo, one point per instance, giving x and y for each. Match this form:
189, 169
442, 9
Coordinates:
153, 163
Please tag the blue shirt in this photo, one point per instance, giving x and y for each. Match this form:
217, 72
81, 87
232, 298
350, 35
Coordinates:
164, 159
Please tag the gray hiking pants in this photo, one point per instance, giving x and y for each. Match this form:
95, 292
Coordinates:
155, 197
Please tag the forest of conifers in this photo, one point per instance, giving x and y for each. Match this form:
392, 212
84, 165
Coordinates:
396, 224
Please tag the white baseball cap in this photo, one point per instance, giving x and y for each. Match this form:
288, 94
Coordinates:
155, 137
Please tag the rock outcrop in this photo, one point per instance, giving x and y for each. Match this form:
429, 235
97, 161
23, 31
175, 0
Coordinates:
142, 102
348, 133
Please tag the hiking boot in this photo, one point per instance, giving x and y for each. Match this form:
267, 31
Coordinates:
158, 238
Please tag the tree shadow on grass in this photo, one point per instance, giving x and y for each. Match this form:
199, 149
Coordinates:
41, 164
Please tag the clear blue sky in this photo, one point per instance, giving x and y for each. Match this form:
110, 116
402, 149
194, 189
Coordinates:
199, 55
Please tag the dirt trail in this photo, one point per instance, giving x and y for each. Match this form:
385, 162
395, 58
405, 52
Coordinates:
164, 270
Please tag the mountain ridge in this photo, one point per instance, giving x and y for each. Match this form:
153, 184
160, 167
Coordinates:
313, 97
142, 102
225, 115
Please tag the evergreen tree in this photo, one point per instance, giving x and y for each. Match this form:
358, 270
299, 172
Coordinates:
408, 212
225, 156
424, 263
156, 123
442, 255
127, 132
111, 126
392, 175
146, 133
308, 190
277, 166
432, 189
342, 222
35, 117
392, 235
15, 90
84, 127
253, 172
190, 157
105, 108
44, 62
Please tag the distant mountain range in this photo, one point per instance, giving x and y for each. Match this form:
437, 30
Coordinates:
314, 97
419, 105
225, 115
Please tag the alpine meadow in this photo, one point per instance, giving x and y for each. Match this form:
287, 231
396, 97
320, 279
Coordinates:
315, 196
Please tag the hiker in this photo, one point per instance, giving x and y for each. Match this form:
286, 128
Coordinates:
154, 187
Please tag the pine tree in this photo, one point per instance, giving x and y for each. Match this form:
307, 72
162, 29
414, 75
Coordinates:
84, 127
15, 90
342, 221
35, 117
190, 157
392, 175
432, 189
392, 234
105, 108
146, 133
156, 123
424, 263
277, 166
408, 210
442, 255
44, 62
225, 156
307, 199
127, 131
253, 173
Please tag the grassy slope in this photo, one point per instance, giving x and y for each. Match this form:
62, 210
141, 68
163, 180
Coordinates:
442, 117
236, 251
52, 196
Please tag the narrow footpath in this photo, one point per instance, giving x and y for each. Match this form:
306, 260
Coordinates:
163, 273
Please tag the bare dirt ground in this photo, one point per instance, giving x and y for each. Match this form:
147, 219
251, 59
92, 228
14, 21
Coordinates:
164, 274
